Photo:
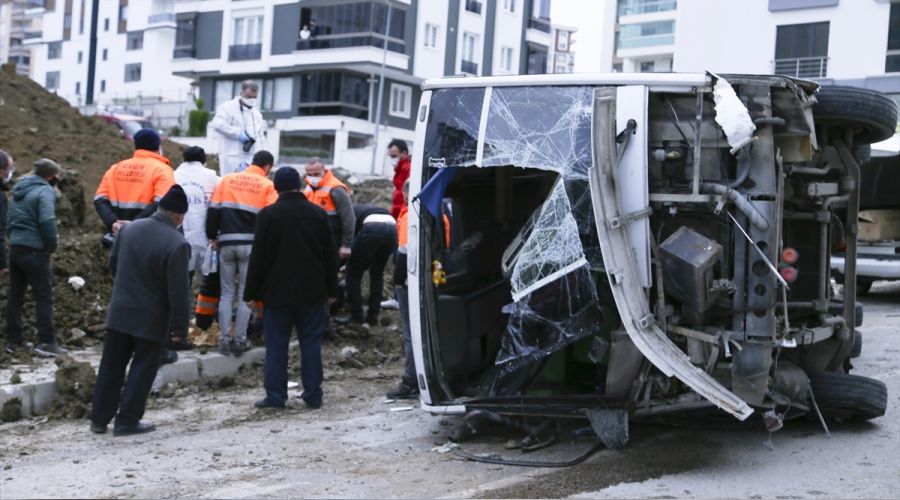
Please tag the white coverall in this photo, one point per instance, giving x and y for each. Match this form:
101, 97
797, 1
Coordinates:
198, 183
232, 118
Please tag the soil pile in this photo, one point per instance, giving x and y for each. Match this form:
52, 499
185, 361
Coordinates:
11, 411
74, 388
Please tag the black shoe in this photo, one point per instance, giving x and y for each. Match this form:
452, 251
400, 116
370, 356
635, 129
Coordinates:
167, 357
129, 430
49, 350
225, 348
240, 347
98, 428
180, 345
265, 403
15, 348
403, 391
313, 406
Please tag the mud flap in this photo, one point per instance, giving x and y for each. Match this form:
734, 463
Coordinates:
610, 426
623, 273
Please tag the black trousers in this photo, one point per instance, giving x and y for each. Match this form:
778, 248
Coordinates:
29, 267
372, 248
126, 404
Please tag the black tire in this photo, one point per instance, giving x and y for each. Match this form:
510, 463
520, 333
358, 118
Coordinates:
857, 345
871, 114
842, 396
863, 287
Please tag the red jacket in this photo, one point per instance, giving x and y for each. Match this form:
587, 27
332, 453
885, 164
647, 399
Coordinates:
401, 173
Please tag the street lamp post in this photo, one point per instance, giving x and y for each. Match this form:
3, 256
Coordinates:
387, 30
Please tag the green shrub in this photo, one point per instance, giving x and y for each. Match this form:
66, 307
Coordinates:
197, 120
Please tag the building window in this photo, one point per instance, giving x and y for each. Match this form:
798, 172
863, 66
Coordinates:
401, 99
617, 68
352, 24
892, 61
77, 88
509, 5
431, 35
135, 40
801, 50
562, 41
506, 59
106, 24
54, 50
79, 57
632, 7
184, 37
52, 80
277, 94
102, 85
133, 72
67, 21
647, 66
334, 93
536, 64
81, 18
469, 50
646, 34
246, 39
105, 54
473, 6
123, 13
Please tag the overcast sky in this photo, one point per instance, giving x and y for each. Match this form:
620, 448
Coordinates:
585, 15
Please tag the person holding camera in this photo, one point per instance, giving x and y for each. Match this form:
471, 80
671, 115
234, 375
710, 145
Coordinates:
241, 129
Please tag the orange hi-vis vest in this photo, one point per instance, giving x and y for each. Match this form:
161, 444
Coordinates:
132, 185
235, 203
321, 194
403, 229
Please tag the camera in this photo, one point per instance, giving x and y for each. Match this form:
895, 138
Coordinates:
247, 146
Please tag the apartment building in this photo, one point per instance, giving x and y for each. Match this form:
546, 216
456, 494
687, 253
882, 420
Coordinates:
850, 42
111, 54
18, 24
319, 62
562, 56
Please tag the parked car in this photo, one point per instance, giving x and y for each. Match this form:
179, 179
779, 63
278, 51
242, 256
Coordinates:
128, 125
628, 245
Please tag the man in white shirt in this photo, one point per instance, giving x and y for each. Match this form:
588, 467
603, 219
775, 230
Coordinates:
198, 183
241, 129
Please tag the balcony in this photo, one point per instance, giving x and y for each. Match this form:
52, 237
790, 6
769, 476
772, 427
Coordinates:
30, 35
161, 20
469, 67
183, 52
635, 7
245, 52
539, 24
346, 40
473, 6
802, 67
645, 41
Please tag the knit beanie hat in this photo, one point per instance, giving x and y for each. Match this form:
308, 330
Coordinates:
46, 168
146, 138
175, 200
287, 179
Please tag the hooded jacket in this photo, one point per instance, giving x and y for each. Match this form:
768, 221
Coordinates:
31, 221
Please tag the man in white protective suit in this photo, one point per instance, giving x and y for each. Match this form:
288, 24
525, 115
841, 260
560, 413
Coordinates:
241, 129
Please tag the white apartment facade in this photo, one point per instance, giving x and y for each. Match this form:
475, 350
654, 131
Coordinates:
562, 51
850, 42
18, 25
130, 45
319, 62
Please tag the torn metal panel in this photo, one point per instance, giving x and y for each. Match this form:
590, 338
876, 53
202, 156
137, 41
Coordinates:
732, 115
622, 271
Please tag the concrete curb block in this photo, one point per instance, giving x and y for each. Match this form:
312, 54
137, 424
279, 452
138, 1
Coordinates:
36, 396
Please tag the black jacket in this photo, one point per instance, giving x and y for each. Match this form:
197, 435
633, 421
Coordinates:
362, 210
3, 209
151, 293
293, 260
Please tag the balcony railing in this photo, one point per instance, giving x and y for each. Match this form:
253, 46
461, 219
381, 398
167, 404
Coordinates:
645, 41
802, 67
345, 40
469, 67
33, 34
539, 24
163, 17
634, 7
473, 6
245, 52
183, 52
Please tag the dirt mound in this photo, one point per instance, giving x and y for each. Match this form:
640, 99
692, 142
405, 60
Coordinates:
11, 411
74, 388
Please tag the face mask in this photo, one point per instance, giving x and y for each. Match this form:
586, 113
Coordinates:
313, 181
9, 174
249, 101
395, 161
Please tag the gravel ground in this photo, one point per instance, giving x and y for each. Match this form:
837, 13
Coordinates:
213, 444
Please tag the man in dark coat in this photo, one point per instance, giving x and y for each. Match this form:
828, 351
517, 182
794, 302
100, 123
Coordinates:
293, 271
150, 298
374, 242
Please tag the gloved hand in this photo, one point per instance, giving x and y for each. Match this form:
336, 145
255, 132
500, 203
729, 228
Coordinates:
244, 138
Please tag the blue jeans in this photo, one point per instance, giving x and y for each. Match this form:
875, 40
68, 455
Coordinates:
310, 321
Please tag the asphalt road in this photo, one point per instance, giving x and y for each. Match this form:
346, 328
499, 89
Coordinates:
213, 444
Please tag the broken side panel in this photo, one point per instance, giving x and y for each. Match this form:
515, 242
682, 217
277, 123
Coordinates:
452, 130
632, 185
